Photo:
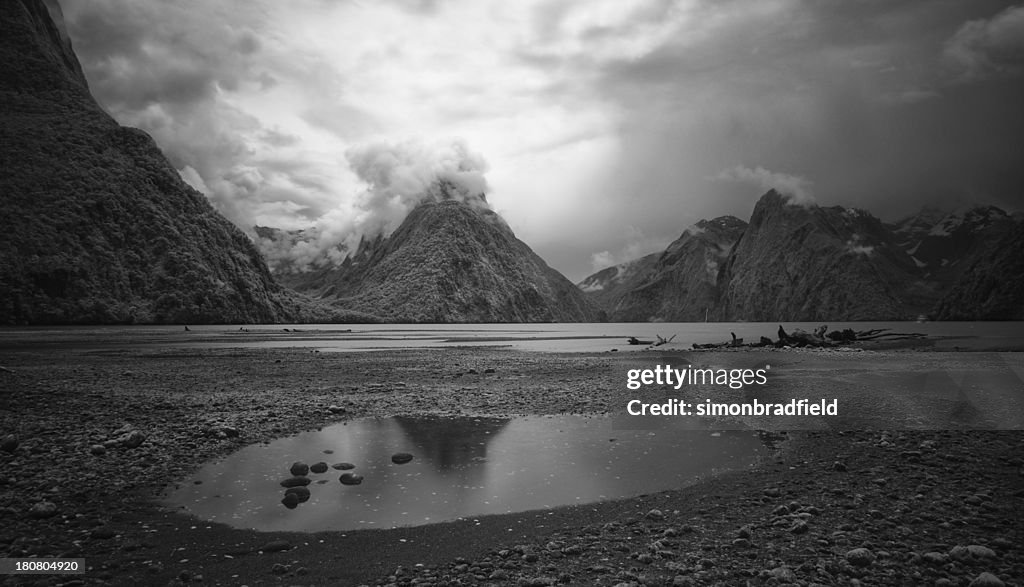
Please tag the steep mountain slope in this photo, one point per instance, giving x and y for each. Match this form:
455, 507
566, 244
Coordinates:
99, 227
450, 261
678, 285
953, 238
992, 285
801, 263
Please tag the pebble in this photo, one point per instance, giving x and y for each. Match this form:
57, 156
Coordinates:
290, 501
9, 443
131, 439
783, 574
320, 467
43, 509
299, 469
296, 482
860, 557
987, 580
350, 479
276, 546
655, 515
343, 466
935, 558
400, 458
98, 449
302, 493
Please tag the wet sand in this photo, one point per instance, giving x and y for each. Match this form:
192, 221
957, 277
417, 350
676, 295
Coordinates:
909, 498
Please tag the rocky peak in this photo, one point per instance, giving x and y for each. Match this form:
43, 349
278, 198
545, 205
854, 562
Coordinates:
450, 261
36, 56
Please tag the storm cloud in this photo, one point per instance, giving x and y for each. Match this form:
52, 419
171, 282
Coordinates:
607, 127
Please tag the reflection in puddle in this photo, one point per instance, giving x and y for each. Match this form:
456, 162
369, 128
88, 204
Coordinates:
461, 467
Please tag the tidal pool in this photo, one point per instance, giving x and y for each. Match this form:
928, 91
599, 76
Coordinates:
461, 467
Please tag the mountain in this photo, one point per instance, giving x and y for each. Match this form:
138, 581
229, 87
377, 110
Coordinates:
992, 285
796, 262
677, 285
941, 245
99, 227
450, 260
809, 263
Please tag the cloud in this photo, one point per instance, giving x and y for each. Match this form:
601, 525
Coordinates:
795, 187
990, 47
593, 114
635, 244
396, 177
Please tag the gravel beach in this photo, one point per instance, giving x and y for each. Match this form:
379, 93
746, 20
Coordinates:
93, 437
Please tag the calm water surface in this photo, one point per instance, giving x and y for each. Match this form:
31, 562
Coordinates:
597, 337
462, 467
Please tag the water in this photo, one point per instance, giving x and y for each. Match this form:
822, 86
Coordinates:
580, 337
462, 467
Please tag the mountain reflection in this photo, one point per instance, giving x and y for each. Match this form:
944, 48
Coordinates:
451, 443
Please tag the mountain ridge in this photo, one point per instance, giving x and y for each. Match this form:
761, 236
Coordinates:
107, 230
804, 262
448, 261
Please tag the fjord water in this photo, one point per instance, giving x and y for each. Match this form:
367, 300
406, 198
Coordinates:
564, 337
461, 467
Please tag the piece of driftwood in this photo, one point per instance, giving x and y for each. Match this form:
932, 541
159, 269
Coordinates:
819, 337
662, 340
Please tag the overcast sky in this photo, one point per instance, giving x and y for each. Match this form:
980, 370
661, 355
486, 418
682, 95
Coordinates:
602, 128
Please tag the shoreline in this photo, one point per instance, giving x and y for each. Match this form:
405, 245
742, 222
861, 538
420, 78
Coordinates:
183, 400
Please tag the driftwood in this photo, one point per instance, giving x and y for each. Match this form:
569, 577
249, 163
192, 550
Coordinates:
820, 337
661, 340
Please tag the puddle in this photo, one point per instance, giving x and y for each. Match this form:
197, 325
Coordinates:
461, 467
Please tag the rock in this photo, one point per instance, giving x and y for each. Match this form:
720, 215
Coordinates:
9, 443
799, 527
276, 546
935, 558
987, 580
400, 458
279, 569
978, 551
334, 409
741, 543
302, 493
784, 574
320, 467
98, 449
128, 440
102, 533
839, 466
970, 553
350, 479
772, 492
290, 501
343, 466
296, 482
860, 557
299, 469
43, 509
655, 515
